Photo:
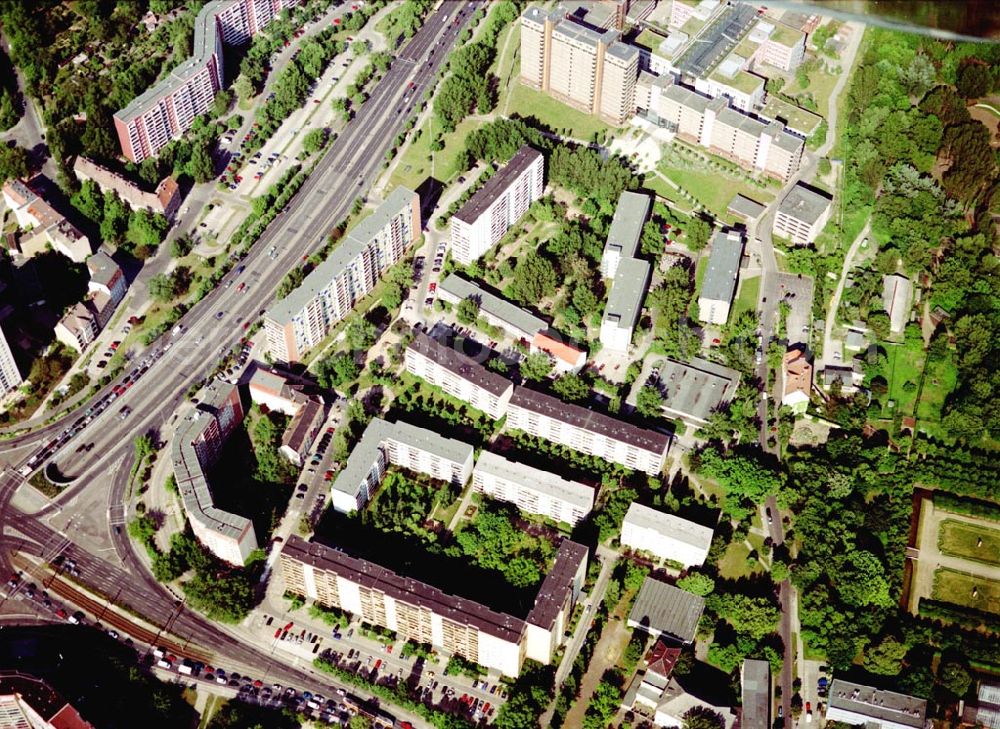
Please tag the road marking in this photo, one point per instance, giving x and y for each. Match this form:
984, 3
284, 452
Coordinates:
116, 514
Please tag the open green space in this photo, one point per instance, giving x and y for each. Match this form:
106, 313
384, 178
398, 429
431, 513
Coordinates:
969, 541
530, 104
961, 588
714, 190
904, 363
746, 299
419, 162
733, 565
940, 378
661, 188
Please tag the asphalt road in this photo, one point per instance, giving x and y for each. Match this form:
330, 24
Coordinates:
325, 199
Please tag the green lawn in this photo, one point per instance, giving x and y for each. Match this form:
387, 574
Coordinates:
904, 365
960, 539
526, 102
746, 299
733, 565
418, 162
661, 188
939, 380
958, 588
713, 189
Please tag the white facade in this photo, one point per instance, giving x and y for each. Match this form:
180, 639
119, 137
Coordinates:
532, 490
497, 206
666, 536
10, 376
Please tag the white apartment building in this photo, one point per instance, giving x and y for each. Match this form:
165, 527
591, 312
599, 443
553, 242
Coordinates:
665, 536
302, 319
624, 304
856, 704
458, 375
401, 444
590, 70
79, 326
497, 311
531, 489
497, 206
587, 431
197, 442
802, 215
719, 284
10, 376
625, 231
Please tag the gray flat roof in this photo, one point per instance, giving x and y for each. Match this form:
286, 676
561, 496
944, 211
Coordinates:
544, 482
204, 47
102, 268
347, 250
572, 30
687, 97
664, 609
458, 363
715, 41
878, 704
783, 139
627, 291
719, 283
744, 206
498, 184
624, 51
626, 225
805, 204
558, 582
494, 305
366, 452
736, 119
756, 694
585, 419
405, 589
695, 389
669, 525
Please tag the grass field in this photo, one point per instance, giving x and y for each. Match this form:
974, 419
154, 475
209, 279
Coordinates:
939, 380
527, 103
958, 587
713, 189
733, 564
746, 299
959, 539
418, 162
904, 364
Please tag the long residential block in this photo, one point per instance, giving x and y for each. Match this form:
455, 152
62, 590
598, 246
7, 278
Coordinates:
719, 285
197, 443
166, 110
628, 290
854, 703
665, 535
587, 431
497, 205
302, 319
625, 231
164, 200
400, 444
519, 323
426, 614
532, 489
458, 375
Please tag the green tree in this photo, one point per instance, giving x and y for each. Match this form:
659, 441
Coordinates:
181, 246
649, 402
652, 239
754, 616
885, 658
697, 584
862, 580
467, 311
697, 233
115, 220
360, 334
337, 370
571, 388
534, 278
163, 287
702, 717
536, 366
955, 678
314, 140
973, 80
146, 228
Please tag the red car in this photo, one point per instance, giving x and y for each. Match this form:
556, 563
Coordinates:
277, 633
336, 21
432, 288
377, 664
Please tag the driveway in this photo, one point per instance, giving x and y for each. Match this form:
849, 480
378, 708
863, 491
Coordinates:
831, 347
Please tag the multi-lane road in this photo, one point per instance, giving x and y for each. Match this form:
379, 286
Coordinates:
211, 327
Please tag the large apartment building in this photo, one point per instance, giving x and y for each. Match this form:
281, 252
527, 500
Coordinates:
757, 146
197, 443
425, 614
802, 215
458, 375
400, 444
166, 110
531, 489
665, 536
587, 431
497, 205
629, 275
590, 70
721, 277
302, 319
10, 376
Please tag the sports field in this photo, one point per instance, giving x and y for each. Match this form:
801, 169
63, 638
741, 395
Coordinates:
969, 541
962, 588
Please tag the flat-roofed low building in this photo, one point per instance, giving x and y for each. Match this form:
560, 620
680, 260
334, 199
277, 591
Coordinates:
755, 684
802, 214
854, 703
628, 290
517, 322
695, 389
625, 231
198, 440
400, 444
745, 207
661, 609
497, 205
985, 712
586, 431
275, 391
896, 294
719, 284
666, 536
458, 375
531, 489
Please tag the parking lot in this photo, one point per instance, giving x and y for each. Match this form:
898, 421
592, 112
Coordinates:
797, 292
